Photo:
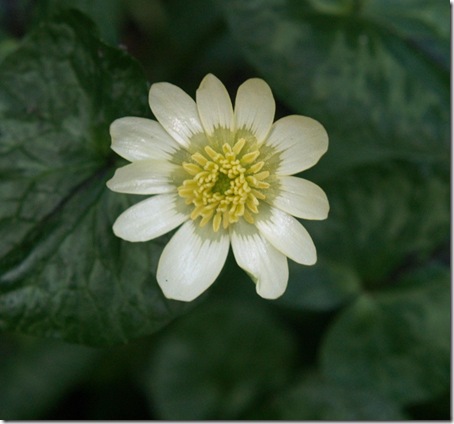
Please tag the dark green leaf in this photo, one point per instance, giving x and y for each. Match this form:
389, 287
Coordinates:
317, 399
217, 361
105, 13
381, 218
375, 73
7, 46
323, 286
36, 375
396, 342
63, 273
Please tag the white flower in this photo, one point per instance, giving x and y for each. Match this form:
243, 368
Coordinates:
226, 174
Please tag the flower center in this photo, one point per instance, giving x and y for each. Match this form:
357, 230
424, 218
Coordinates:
225, 185
222, 184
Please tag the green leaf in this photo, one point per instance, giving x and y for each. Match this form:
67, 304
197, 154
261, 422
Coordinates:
63, 273
375, 73
202, 44
383, 218
314, 398
105, 14
218, 361
36, 375
396, 342
7, 45
324, 286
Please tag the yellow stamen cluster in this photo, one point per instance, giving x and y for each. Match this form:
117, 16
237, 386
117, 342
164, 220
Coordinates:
225, 186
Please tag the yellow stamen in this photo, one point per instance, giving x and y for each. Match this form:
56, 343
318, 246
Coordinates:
239, 145
262, 175
212, 153
258, 194
192, 168
199, 158
256, 167
206, 218
225, 220
217, 222
250, 157
226, 148
262, 185
224, 186
248, 217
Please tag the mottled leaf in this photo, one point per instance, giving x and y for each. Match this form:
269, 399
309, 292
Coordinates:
63, 273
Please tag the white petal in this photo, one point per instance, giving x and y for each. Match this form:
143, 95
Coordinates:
214, 104
287, 235
144, 177
301, 198
267, 266
191, 261
175, 111
149, 219
301, 141
254, 108
140, 138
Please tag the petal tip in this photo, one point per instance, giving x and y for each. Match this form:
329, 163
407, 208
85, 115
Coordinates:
209, 77
312, 260
109, 184
268, 296
179, 295
176, 289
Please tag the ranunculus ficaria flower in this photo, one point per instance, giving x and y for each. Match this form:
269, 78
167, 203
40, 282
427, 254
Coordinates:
225, 175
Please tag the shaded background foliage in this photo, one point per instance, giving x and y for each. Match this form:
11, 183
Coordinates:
364, 334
